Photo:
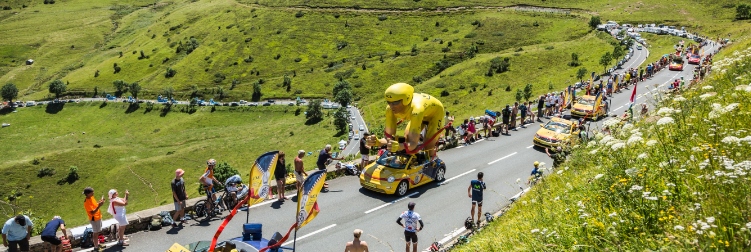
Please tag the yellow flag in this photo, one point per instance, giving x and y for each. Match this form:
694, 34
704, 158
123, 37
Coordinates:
260, 174
307, 203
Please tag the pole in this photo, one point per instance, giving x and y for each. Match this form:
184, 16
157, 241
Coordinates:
247, 214
294, 241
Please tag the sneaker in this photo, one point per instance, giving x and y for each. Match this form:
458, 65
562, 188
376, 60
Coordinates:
174, 225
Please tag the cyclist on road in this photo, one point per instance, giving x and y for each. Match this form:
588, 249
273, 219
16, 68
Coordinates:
208, 180
475, 190
422, 110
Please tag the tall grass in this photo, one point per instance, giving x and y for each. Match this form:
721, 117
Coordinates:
674, 180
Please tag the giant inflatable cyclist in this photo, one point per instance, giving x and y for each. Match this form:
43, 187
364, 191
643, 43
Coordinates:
421, 110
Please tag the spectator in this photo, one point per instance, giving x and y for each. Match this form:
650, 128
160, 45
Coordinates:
356, 245
514, 113
487, 124
49, 234
523, 114
324, 156
17, 232
540, 106
179, 196
117, 210
475, 190
411, 219
95, 216
530, 113
464, 131
506, 114
299, 169
449, 130
472, 130
558, 157
364, 151
280, 173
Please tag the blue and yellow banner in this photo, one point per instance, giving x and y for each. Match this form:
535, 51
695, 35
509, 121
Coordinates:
598, 100
307, 204
260, 175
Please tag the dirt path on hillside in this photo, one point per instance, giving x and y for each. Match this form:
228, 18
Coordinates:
529, 8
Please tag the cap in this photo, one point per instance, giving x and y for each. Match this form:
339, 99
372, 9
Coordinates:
111, 192
411, 205
87, 190
179, 172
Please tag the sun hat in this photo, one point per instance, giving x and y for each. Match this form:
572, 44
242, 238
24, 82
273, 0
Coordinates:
112, 192
179, 172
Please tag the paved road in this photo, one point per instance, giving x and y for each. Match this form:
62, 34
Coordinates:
443, 207
358, 123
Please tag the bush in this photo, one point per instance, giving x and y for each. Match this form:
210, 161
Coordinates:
170, 73
45, 172
382, 17
470, 35
219, 77
519, 50
299, 14
549, 47
445, 49
440, 85
341, 45
298, 59
444, 93
497, 34
417, 79
249, 59
71, 178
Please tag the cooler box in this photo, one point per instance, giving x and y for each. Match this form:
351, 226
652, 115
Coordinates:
252, 231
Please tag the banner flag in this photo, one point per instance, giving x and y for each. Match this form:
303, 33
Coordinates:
260, 175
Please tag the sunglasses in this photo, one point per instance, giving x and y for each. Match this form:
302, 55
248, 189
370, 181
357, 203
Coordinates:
394, 103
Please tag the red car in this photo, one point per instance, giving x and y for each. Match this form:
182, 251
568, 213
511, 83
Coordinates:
676, 65
694, 59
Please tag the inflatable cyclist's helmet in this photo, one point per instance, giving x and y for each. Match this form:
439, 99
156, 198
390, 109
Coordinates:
400, 91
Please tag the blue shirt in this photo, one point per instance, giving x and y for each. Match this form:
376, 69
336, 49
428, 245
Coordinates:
322, 157
477, 188
16, 232
51, 228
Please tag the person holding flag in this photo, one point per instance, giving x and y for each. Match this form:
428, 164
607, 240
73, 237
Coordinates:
633, 98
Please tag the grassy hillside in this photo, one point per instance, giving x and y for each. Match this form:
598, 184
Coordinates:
136, 149
676, 181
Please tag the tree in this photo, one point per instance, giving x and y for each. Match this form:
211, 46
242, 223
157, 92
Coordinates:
57, 87
135, 88
343, 97
9, 92
168, 92
340, 119
339, 86
519, 95
606, 59
617, 52
256, 91
221, 93
527, 91
581, 73
120, 85
170, 73
742, 11
287, 82
314, 113
594, 21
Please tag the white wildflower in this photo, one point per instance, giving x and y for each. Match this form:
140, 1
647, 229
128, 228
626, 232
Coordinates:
710, 219
627, 127
670, 184
524, 202
618, 146
651, 198
614, 214
632, 172
665, 120
611, 123
696, 149
559, 172
748, 225
607, 139
634, 139
678, 227
679, 99
707, 87
591, 144
651, 142
707, 95
642, 156
599, 176
636, 187
731, 140
594, 151
665, 111
535, 230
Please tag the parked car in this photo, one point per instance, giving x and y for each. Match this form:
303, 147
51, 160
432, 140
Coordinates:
271, 101
253, 104
266, 104
234, 104
291, 104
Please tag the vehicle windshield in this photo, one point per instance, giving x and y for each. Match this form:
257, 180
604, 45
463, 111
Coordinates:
393, 160
588, 102
678, 61
695, 56
557, 127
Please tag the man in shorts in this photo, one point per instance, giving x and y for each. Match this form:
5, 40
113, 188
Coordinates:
364, 151
540, 107
523, 114
179, 196
411, 219
476, 187
208, 180
49, 234
506, 114
300, 169
356, 245
92, 210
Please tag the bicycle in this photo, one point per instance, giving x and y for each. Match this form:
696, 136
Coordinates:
202, 210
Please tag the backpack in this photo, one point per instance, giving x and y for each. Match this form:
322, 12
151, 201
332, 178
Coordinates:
166, 218
468, 224
156, 222
87, 240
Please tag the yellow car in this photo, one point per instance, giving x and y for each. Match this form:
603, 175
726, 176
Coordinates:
583, 107
556, 132
396, 173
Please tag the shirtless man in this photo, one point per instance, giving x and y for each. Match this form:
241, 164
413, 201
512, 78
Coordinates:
299, 169
356, 245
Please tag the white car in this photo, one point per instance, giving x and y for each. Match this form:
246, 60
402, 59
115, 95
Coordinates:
362, 128
357, 137
638, 47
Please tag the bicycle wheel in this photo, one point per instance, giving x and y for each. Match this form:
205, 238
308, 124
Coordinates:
200, 208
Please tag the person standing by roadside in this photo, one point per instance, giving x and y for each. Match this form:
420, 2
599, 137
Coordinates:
523, 114
356, 245
411, 219
472, 129
514, 113
530, 114
95, 216
506, 114
280, 173
324, 156
49, 234
16, 233
117, 210
450, 130
540, 106
558, 157
179, 196
475, 190
365, 151
299, 169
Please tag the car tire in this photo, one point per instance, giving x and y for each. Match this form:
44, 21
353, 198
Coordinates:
440, 175
402, 188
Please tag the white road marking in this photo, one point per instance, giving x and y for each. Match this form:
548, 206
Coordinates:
392, 202
465, 173
531, 146
459, 147
501, 158
307, 235
262, 203
452, 235
480, 140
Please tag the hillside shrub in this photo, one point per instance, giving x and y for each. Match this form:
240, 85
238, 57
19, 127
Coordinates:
299, 14
44, 172
470, 35
170, 73
71, 177
298, 59
383, 17
219, 77
444, 93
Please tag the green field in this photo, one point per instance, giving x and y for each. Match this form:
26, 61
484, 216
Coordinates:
127, 148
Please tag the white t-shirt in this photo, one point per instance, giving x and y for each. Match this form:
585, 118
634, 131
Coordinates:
411, 219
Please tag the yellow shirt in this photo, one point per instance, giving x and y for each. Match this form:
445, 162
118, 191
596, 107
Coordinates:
424, 108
